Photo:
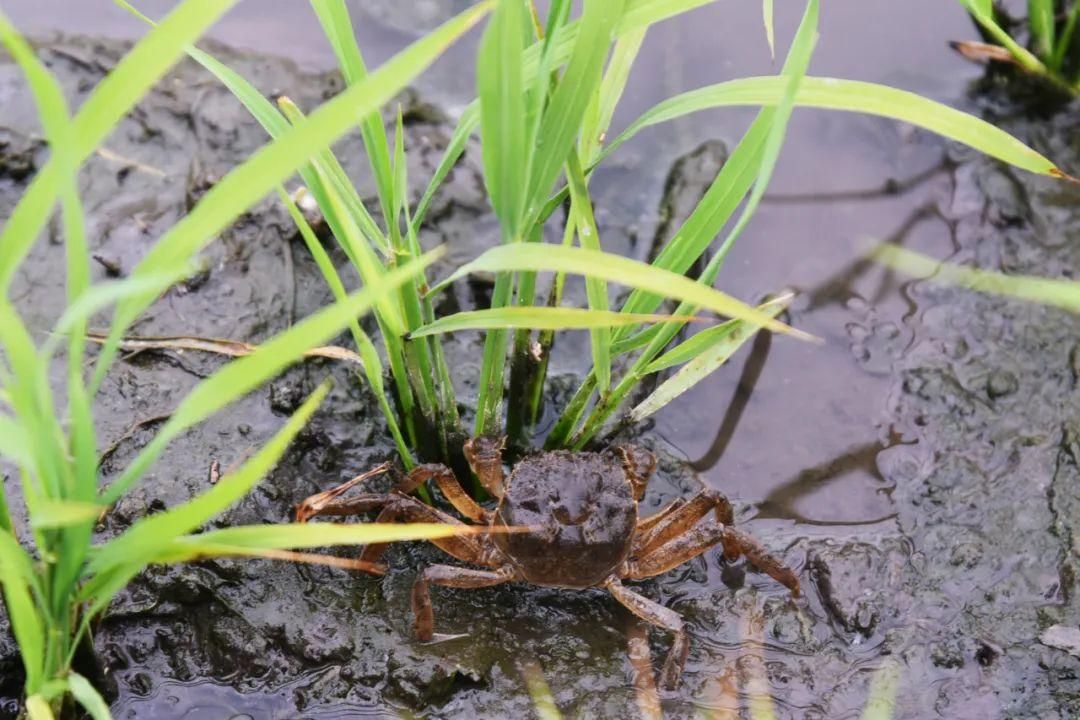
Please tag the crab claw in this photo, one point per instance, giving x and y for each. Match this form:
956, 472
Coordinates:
314, 504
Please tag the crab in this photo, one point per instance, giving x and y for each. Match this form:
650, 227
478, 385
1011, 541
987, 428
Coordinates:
581, 511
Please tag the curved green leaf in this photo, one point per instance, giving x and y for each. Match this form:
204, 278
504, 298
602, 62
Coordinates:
539, 317
710, 351
88, 697
615, 268
851, 96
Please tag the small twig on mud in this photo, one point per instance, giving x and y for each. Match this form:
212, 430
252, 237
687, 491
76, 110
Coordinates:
129, 433
130, 162
232, 348
290, 281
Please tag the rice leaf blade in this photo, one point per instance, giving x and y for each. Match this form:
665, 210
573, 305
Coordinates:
540, 317
88, 697
581, 213
850, 96
614, 268
502, 114
707, 359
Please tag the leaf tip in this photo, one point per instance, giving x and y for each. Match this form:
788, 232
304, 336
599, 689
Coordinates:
1062, 175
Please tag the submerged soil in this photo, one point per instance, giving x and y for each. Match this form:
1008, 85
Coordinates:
939, 543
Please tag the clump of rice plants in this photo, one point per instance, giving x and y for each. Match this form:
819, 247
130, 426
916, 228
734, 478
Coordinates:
1050, 50
55, 579
548, 85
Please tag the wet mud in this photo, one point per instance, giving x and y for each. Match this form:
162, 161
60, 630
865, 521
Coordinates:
947, 571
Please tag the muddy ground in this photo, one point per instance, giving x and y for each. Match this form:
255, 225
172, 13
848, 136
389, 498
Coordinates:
977, 459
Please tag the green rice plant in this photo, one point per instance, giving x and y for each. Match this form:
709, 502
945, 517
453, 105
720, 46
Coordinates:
548, 86
55, 579
1052, 50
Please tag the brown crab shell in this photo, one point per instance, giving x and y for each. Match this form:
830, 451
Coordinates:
583, 508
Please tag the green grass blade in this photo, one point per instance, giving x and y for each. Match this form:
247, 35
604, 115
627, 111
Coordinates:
332, 190
540, 317
140, 68
702, 341
1041, 24
272, 163
982, 11
32, 402
567, 106
315, 535
581, 213
53, 111
1064, 42
615, 268
1064, 294
883, 689
612, 86
767, 17
506, 155
798, 60
638, 15
334, 18
14, 443
752, 162
28, 627
243, 375
373, 367
88, 697
467, 124
707, 359
52, 514
356, 244
712, 212
37, 708
852, 96
642, 13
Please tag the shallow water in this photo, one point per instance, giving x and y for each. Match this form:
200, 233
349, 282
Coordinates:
918, 467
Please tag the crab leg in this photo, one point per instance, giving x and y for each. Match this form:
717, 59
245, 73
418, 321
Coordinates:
329, 502
485, 458
678, 520
639, 464
449, 486
660, 616
699, 539
398, 507
449, 576
646, 524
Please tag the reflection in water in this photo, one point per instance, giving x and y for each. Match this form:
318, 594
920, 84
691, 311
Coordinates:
838, 287
890, 188
781, 502
759, 351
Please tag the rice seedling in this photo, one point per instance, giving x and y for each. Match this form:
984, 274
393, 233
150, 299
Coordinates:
1052, 48
547, 90
55, 579
547, 87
